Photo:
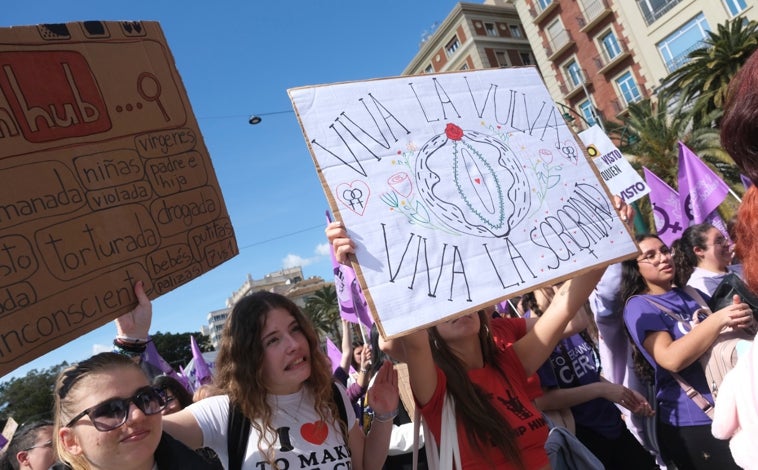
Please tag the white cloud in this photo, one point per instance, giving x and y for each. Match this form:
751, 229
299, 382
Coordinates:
292, 260
322, 249
98, 348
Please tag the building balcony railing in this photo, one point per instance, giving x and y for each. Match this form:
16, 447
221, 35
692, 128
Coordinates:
606, 61
651, 14
571, 90
683, 58
593, 13
539, 13
559, 44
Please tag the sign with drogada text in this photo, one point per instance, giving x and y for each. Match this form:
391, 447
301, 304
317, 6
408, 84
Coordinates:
458, 189
105, 181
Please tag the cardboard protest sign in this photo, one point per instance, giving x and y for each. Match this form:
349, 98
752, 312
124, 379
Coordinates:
618, 174
105, 181
459, 190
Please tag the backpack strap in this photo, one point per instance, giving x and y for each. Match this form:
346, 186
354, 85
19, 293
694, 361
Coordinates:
688, 389
237, 435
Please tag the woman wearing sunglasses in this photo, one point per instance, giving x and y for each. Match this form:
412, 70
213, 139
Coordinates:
671, 346
107, 416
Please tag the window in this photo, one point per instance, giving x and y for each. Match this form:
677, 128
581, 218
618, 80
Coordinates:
588, 112
490, 29
735, 7
429, 69
557, 34
542, 4
515, 31
464, 67
501, 60
452, 46
611, 48
675, 47
573, 74
526, 58
628, 88
654, 9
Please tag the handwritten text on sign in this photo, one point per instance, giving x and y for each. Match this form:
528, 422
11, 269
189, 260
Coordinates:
459, 189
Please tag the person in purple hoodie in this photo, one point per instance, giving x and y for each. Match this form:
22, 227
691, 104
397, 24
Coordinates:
571, 378
674, 346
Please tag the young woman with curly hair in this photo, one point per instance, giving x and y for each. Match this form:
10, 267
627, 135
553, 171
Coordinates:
270, 365
703, 257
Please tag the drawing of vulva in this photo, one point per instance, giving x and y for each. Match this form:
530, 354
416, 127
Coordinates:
472, 183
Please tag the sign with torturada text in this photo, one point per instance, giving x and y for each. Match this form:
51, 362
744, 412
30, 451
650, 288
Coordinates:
614, 168
105, 181
459, 189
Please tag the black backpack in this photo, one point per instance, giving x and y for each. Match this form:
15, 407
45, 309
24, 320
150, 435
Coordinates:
238, 429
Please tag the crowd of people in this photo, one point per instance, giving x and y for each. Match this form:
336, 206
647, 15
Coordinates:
485, 384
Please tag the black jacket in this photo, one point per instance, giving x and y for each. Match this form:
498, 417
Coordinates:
173, 455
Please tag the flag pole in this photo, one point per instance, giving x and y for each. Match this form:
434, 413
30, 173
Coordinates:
731, 191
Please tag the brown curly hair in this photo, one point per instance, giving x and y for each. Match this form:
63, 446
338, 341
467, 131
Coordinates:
239, 371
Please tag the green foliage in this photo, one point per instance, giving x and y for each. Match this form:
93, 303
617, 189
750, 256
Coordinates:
323, 310
175, 347
704, 79
30, 397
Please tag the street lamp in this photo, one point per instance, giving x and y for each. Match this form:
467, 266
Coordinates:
257, 118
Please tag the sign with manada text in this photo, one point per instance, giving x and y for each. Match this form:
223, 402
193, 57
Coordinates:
459, 189
105, 181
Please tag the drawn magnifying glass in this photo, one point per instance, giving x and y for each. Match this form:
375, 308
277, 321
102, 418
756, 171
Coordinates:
151, 92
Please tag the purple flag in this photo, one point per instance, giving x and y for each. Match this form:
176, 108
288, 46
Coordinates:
701, 191
152, 356
334, 353
667, 210
353, 304
745, 181
203, 373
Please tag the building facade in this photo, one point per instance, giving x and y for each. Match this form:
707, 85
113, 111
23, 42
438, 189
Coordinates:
288, 282
598, 56
595, 56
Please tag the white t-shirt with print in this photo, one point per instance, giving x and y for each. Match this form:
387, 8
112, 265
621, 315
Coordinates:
302, 443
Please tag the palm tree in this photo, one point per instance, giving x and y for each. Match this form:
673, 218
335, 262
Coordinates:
323, 309
709, 69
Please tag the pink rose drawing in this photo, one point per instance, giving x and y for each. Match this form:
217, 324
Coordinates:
401, 184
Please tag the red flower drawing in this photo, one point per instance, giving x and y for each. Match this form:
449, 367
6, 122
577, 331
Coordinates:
453, 132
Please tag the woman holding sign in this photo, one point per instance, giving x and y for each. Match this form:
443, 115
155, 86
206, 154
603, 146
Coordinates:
497, 423
280, 406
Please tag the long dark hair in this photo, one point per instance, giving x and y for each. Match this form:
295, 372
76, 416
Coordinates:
482, 421
632, 283
685, 259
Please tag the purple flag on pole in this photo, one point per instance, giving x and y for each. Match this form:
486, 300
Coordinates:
667, 210
353, 304
152, 356
745, 181
701, 191
334, 353
203, 373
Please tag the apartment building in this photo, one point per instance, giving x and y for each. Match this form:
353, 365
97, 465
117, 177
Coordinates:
288, 282
595, 56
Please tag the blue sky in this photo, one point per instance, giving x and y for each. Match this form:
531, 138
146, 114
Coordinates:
238, 58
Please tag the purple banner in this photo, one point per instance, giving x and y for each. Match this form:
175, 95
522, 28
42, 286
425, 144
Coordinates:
667, 210
701, 191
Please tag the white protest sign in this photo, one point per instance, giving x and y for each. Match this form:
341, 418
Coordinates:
458, 189
616, 171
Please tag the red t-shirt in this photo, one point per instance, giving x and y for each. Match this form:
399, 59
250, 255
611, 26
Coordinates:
506, 331
510, 397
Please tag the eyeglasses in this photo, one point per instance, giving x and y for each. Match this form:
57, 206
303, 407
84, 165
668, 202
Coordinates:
655, 257
112, 413
39, 446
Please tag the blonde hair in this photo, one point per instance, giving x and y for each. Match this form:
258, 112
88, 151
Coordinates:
69, 380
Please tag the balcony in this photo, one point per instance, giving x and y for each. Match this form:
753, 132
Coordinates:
559, 44
539, 13
678, 61
606, 61
651, 14
594, 13
571, 90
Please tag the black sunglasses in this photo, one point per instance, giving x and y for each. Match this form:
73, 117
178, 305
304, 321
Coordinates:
112, 413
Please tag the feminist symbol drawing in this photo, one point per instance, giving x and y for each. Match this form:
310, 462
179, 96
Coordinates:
354, 196
490, 191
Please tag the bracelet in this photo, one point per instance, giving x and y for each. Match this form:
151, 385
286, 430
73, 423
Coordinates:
363, 371
385, 417
129, 348
129, 339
